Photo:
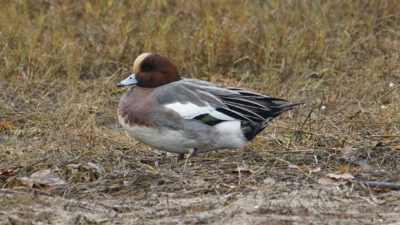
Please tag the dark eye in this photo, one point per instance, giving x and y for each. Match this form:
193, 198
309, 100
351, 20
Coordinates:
147, 67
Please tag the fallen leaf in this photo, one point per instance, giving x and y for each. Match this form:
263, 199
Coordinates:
380, 190
5, 124
345, 176
5, 171
43, 179
303, 212
345, 168
395, 148
326, 181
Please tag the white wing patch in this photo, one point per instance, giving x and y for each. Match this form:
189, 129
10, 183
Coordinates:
220, 115
190, 110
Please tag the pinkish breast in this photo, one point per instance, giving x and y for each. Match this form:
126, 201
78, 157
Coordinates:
135, 105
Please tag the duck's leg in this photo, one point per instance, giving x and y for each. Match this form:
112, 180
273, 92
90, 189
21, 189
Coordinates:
194, 153
180, 157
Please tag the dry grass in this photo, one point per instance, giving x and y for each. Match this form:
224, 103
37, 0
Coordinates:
60, 59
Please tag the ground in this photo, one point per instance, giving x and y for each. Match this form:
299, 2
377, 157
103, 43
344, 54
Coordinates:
60, 61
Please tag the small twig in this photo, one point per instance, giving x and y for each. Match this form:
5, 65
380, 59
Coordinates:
240, 175
280, 144
385, 136
379, 184
254, 43
305, 151
112, 75
292, 165
306, 132
387, 93
241, 59
30, 165
297, 134
309, 150
186, 161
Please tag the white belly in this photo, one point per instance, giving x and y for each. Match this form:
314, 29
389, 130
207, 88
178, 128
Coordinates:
175, 141
169, 140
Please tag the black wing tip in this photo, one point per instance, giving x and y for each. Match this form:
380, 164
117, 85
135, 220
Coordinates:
290, 106
283, 106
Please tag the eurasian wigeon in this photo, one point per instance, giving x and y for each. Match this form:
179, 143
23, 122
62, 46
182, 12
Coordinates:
182, 115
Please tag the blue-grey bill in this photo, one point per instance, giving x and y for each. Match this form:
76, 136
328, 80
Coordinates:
130, 80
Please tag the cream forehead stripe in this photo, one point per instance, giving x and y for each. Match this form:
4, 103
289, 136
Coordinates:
138, 61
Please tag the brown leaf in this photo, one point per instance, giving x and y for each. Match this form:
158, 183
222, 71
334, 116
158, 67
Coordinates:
5, 124
43, 179
345, 168
303, 212
242, 187
395, 148
380, 190
5, 171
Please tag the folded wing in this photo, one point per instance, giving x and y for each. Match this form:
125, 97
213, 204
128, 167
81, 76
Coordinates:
213, 104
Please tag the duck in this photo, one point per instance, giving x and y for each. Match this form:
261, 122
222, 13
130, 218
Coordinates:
190, 116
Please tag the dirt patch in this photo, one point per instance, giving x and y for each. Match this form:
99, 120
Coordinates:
277, 204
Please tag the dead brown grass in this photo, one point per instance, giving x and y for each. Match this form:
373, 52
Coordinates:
60, 59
